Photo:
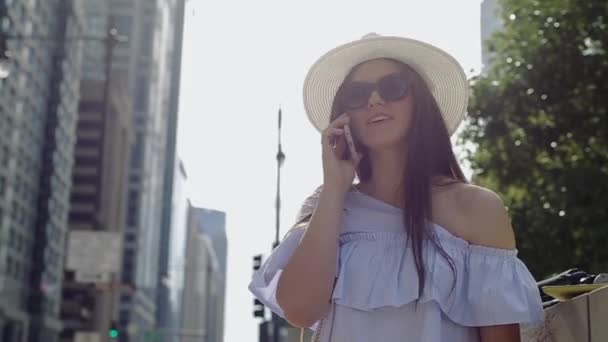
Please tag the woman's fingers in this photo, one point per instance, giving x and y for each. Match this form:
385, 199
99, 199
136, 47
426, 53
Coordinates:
340, 121
329, 137
333, 136
340, 146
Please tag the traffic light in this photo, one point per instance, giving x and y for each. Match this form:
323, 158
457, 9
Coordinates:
257, 262
113, 332
258, 307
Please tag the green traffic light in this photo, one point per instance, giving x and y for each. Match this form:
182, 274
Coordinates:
113, 333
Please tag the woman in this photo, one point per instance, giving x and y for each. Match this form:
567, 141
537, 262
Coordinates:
412, 252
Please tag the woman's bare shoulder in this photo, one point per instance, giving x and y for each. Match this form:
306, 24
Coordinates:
479, 215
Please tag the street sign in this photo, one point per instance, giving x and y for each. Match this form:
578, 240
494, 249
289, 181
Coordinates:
87, 336
93, 252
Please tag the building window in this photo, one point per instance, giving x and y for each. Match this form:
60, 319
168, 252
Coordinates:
80, 217
11, 238
130, 237
141, 96
127, 277
123, 317
147, 39
9, 266
137, 152
17, 270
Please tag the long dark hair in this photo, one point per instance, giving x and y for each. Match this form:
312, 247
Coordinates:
429, 154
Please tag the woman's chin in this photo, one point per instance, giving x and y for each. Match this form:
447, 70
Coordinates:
383, 142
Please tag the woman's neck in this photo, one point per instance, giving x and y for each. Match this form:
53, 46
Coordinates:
385, 183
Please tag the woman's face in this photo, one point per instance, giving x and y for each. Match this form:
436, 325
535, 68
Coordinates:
381, 123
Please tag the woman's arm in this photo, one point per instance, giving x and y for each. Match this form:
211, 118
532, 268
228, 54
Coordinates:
500, 333
305, 286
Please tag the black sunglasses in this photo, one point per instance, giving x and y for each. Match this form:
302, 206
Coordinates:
393, 87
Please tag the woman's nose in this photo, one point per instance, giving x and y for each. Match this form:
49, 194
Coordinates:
375, 99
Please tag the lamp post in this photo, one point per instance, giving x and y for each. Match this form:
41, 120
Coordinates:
277, 321
280, 161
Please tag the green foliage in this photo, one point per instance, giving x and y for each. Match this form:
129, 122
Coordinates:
539, 120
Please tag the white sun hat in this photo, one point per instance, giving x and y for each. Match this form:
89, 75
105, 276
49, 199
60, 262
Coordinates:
443, 74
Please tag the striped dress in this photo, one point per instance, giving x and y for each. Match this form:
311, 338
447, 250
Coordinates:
376, 288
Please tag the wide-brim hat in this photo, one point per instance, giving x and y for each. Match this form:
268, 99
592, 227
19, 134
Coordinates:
442, 73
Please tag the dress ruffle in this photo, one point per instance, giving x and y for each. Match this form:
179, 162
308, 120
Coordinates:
376, 269
489, 286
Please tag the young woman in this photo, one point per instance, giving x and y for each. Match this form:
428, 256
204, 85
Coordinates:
412, 251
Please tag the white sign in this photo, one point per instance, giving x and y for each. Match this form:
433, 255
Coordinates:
82, 336
85, 277
94, 252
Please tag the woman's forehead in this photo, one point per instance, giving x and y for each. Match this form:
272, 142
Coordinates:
375, 69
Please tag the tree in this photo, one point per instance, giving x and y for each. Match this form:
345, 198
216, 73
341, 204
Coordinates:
539, 121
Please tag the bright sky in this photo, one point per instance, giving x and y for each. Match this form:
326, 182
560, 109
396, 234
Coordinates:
242, 59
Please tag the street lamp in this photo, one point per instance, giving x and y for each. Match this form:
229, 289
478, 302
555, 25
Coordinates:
280, 161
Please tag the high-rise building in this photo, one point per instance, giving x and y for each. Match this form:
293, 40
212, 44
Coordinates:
203, 299
100, 168
38, 114
490, 23
174, 204
212, 224
171, 287
156, 26
101, 160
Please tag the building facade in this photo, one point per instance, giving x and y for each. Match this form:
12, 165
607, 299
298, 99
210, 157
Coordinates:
171, 287
98, 194
212, 225
101, 157
174, 204
156, 27
202, 317
38, 114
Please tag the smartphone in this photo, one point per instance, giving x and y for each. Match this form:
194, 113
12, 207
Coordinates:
351, 143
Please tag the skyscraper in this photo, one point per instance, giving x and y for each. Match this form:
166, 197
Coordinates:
173, 269
100, 167
212, 224
156, 27
205, 280
174, 204
38, 113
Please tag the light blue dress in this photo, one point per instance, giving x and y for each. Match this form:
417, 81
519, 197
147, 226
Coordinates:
376, 289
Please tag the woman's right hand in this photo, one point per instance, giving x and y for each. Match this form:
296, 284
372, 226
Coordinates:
338, 174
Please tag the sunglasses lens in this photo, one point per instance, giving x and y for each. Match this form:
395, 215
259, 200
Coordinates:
355, 95
393, 87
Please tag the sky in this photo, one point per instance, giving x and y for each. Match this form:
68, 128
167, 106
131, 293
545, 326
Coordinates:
241, 61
